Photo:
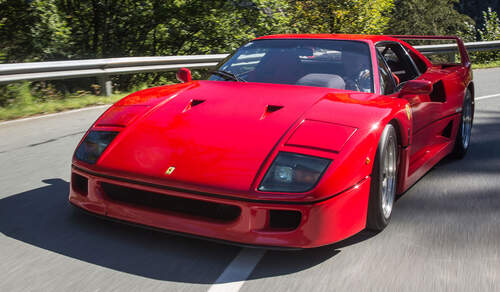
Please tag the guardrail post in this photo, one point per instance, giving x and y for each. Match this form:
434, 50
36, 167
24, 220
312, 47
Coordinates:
106, 85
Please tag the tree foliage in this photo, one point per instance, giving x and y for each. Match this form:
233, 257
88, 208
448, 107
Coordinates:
491, 26
476, 8
337, 16
71, 29
15, 19
428, 17
489, 30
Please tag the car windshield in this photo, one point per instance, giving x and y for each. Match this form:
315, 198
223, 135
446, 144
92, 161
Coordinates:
337, 64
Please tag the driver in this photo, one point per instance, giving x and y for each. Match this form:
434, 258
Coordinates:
357, 75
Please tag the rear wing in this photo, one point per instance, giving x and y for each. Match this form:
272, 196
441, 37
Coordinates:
464, 56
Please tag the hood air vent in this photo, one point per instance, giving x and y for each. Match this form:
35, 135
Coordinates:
270, 109
273, 108
193, 103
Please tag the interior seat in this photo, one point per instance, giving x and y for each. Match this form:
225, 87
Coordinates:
322, 80
278, 67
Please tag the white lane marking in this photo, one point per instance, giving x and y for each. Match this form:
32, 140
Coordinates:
238, 271
487, 96
54, 114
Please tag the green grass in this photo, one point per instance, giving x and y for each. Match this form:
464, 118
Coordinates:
492, 64
26, 106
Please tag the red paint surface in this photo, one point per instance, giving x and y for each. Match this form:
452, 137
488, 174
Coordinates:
315, 134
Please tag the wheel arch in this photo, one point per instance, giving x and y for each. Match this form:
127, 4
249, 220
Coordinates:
471, 88
403, 135
402, 128
396, 124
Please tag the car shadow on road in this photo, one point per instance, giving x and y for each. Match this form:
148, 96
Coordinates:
278, 262
43, 218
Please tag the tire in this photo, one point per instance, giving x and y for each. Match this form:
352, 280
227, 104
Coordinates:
462, 141
384, 181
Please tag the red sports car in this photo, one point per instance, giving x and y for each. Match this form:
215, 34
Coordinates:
293, 141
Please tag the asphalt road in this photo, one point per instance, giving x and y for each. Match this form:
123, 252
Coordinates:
444, 234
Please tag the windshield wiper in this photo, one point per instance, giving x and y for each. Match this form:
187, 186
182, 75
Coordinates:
228, 75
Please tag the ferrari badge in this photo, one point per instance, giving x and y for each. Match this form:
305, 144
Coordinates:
170, 170
408, 112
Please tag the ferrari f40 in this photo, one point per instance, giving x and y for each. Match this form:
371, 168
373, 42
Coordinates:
292, 141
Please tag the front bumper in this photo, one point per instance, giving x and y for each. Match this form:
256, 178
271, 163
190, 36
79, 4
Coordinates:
320, 223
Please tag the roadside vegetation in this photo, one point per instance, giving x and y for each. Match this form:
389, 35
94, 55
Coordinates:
31, 108
26, 104
49, 30
492, 64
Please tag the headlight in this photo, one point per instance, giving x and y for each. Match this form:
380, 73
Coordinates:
94, 145
295, 173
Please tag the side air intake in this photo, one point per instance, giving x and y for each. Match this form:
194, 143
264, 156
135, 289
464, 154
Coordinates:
438, 94
447, 130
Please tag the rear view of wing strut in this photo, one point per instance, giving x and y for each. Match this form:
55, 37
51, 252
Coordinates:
464, 56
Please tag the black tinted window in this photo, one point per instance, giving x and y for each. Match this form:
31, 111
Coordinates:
422, 67
387, 85
309, 62
398, 61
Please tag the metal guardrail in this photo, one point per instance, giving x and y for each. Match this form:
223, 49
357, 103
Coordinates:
452, 48
103, 68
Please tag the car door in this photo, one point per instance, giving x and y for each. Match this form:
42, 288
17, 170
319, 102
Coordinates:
423, 109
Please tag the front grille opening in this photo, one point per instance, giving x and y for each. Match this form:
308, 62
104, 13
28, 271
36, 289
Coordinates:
284, 219
162, 202
80, 184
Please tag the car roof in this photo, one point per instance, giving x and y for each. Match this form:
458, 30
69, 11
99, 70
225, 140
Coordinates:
359, 37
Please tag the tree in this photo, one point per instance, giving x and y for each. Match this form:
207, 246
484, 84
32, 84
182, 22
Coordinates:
50, 34
337, 16
489, 31
491, 26
221, 26
430, 17
476, 8
16, 18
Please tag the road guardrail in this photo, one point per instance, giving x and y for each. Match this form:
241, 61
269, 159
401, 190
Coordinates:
103, 68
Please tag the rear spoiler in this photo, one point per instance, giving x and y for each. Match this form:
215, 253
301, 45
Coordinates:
464, 57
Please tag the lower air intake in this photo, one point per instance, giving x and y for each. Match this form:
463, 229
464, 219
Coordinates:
168, 203
80, 184
284, 219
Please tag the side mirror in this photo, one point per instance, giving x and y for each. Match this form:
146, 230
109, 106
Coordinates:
183, 75
416, 87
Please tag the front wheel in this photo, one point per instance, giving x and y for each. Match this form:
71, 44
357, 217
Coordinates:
384, 181
462, 141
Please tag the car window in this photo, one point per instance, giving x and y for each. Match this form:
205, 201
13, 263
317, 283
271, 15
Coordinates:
337, 64
244, 62
422, 67
387, 84
398, 61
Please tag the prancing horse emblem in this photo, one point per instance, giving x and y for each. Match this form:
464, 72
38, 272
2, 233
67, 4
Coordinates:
170, 170
408, 111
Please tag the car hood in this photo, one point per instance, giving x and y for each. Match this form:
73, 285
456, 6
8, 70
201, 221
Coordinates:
210, 133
